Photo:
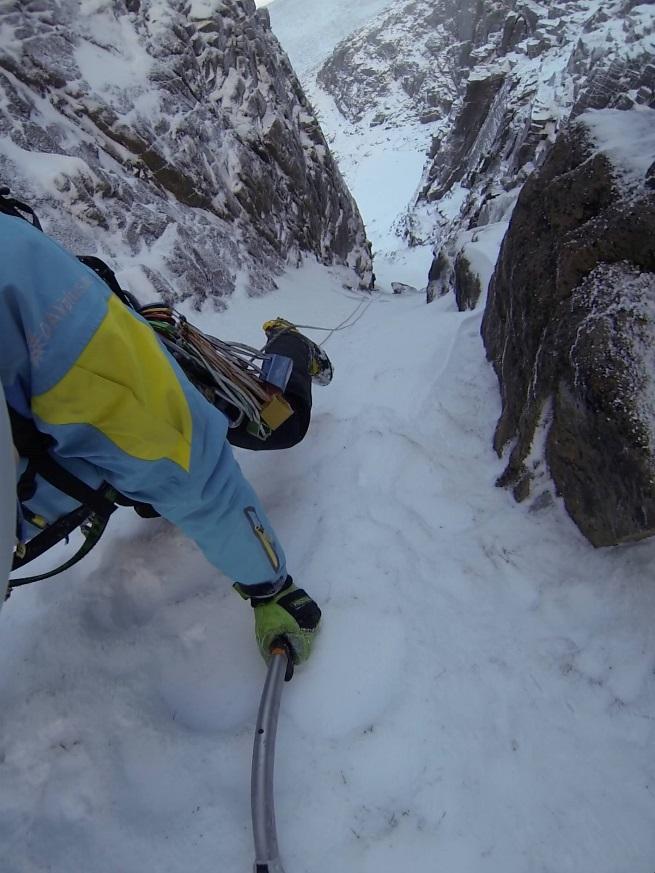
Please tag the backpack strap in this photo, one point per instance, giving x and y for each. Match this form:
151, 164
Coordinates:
10, 206
109, 278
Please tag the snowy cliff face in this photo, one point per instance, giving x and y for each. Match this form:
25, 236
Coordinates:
569, 320
570, 316
310, 29
488, 84
546, 65
172, 138
570, 326
410, 62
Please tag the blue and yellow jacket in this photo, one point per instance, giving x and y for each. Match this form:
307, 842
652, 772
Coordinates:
93, 375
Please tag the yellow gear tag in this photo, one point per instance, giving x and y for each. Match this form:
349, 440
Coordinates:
20, 550
276, 412
260, 532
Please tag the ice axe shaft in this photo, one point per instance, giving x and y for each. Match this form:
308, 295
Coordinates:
267, 855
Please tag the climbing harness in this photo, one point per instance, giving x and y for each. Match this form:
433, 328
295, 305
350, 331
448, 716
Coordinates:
91, 516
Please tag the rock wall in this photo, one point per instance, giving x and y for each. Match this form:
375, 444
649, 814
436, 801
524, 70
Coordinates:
570, 327
544, 64
410, 63
172, 138
569, 319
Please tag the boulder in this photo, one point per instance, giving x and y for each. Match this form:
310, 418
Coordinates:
402, 288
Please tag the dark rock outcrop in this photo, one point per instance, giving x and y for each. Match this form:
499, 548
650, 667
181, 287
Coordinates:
451, 161
181, 144
467, 284
570, 329
438, 277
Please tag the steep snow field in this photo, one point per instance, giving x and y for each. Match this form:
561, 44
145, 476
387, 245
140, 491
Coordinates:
324, 24
482, 694
382, 167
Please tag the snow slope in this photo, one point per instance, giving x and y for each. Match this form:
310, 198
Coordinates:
482, 696
382, 168
323, 25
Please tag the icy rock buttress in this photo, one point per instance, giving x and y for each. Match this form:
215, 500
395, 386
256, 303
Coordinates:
172, 138
570, 328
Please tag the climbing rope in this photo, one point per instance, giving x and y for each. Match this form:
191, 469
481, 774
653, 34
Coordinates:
230, 370
343, 325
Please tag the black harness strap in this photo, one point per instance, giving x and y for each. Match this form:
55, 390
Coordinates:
33, 445
97, 505
53, 534
93, 499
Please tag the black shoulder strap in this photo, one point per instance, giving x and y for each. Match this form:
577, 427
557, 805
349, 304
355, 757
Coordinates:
109, 278
10, 206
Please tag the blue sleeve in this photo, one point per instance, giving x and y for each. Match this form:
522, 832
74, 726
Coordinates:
213, 503
96, 379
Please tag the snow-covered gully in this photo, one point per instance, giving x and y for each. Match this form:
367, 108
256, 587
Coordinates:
482, 694
481, 698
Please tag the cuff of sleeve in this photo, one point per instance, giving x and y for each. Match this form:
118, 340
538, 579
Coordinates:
264, 590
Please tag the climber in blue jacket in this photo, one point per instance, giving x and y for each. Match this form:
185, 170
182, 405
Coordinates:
92, 375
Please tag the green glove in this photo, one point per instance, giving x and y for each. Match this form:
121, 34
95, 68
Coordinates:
291, 614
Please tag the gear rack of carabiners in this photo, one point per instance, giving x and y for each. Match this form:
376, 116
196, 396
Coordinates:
242, 381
